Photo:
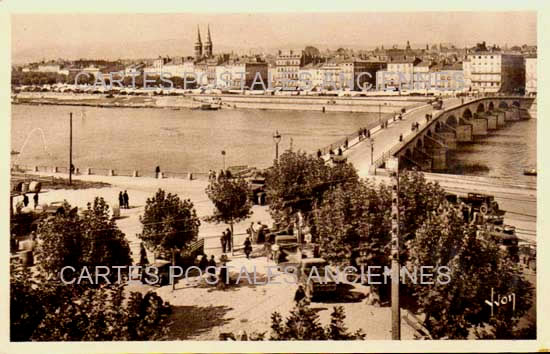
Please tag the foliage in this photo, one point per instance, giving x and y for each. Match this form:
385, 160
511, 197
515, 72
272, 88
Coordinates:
50, 311
303, 324
354, 221
476, 265
88, 240
168, 222
297, 181
230, 198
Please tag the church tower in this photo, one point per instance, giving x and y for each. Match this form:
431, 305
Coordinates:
198, 45
208, 45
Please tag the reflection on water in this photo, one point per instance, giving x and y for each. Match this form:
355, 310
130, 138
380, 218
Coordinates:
503, 154
178, 141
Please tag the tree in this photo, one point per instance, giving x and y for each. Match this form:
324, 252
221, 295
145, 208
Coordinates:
88, 240
477, 266
168, 223
297, 181
230, 198
51, 311
354, 220
303, 324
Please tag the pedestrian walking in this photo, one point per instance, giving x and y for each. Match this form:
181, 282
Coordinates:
319, 153
203, 263
120, 200
339, 151
400, 137
157, 172
247, 247
126, 200
300, 294
25, 200
35, 199
211, 269
223, 276
223, 241
229, 241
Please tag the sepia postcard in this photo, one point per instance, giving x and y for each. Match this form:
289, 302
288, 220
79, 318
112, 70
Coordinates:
237, 178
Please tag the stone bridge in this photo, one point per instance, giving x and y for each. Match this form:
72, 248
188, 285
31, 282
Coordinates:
426, 149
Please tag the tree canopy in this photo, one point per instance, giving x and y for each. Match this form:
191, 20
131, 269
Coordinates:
90, 239
168, 222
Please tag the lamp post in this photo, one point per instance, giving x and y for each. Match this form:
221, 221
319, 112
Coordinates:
371, 149
277, 140
223, 156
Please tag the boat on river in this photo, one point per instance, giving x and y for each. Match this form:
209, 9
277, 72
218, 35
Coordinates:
530, 172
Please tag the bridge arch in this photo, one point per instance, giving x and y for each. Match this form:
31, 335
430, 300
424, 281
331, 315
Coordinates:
452, 121
516, 104
419, 144
480, 108
491, 106
408, 153
438, 126
429, 133
503, 104
467, 114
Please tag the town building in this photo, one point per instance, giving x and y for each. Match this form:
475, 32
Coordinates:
288, 64
531, 75
496, 72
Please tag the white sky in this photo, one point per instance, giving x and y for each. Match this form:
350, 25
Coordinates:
37, 36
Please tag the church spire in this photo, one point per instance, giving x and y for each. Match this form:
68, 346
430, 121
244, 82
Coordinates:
208, 45
198, 45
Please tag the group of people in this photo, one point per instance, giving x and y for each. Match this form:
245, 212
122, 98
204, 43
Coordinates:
212, 176
123, 200
205, 263
415, 126
226, 241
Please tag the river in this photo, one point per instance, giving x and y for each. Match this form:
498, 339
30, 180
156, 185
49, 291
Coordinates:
502, 155
176, 140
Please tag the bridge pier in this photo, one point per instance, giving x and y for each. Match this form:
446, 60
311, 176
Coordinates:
449, 139
492, 123
501, 118
479, 126
464, 133
439, 158
511, 115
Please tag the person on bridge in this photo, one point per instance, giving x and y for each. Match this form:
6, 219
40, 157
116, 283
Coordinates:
340, 151
25, 200
120, 200
400, 137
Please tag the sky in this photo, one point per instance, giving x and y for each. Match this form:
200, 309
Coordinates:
112, 36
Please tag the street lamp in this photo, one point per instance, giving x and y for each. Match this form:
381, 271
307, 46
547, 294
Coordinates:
223, 156
277, 140
371, 149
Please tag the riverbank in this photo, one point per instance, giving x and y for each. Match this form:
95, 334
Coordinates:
382, 105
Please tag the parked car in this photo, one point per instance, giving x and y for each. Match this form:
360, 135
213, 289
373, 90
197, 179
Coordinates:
282, 248
527, 253
316, 286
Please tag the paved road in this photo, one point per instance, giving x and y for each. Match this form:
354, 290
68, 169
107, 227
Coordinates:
360, 154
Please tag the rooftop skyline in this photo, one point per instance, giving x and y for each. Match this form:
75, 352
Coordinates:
113, 36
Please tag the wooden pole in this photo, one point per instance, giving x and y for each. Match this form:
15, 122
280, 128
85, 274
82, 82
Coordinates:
395, 311
70, 148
